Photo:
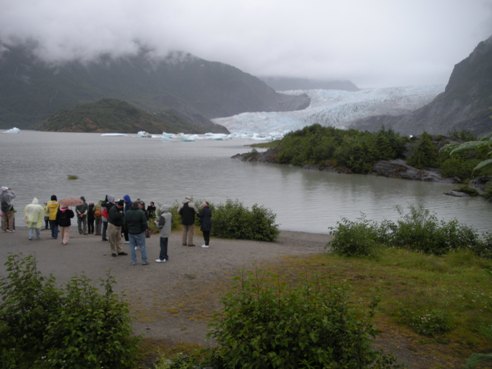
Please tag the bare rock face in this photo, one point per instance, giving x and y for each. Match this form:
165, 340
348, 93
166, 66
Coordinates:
464, 105
399, 169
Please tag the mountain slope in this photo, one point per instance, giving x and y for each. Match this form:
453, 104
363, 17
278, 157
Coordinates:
289, 83
31, 90
464, 105
110, 115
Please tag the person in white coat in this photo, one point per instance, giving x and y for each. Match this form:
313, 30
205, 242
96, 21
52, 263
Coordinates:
33, 217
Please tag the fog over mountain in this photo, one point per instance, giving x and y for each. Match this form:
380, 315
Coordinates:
180, 85
377, 43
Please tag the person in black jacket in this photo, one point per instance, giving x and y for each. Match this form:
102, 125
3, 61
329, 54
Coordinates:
205, 216
187, 211
136, 223
115, 222
63, 216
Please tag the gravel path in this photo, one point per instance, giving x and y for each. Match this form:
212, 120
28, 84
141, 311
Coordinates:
170, 302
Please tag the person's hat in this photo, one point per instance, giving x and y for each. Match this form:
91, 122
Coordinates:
188, 198
120, 203
4, 188
164, 208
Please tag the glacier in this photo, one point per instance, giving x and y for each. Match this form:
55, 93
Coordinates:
334, 108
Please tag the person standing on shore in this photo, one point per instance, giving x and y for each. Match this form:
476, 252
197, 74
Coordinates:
90, 218
81, 211
46, 217
205, 216
128, 204
115, 222
33, 217
105, 206
8, 212
97, 218
53, 206
63, 216
164, 223
187, 212
136, 223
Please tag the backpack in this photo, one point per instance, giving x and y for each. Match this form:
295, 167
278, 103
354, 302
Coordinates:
6, 206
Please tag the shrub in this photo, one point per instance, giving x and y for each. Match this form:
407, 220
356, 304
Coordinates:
233, 220
429, 323
359, 238
265, 326
29, 302
77, 327
419, 230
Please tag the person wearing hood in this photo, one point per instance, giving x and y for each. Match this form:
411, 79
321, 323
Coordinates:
164, 223
63, 216
205, 216
128, 204
8, 212
187, 212
33, 217
53, 206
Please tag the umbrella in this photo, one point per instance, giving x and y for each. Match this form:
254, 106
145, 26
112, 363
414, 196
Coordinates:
71, 201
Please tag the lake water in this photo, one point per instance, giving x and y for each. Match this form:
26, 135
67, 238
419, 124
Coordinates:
38, 163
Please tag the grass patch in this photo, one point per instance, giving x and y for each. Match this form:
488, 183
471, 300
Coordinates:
440, 302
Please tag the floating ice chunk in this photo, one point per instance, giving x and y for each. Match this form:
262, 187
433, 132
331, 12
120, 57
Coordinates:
113, 134
13, 130
144, 134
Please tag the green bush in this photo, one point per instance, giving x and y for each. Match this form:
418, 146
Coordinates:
360, 238
458, 167
233, 220
76, 327
267, 325
418, 230
28, 303
429, 323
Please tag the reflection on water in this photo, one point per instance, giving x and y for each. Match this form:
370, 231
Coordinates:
37, 164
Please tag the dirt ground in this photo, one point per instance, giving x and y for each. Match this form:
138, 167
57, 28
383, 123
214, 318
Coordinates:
170, 301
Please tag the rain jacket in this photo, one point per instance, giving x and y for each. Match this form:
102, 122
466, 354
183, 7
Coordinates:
52, 206
34, 214
6, 197
164, 223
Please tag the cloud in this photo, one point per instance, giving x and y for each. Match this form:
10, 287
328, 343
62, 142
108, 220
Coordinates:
371, 42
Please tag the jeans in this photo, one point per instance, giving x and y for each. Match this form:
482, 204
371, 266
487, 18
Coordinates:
54, 229
163, 245
104, 230
34, 232
82, 224
137, 240
206, 237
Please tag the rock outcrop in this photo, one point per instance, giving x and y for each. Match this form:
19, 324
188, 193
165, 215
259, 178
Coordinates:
465, 104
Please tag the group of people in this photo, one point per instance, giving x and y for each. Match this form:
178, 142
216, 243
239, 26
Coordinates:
111, 219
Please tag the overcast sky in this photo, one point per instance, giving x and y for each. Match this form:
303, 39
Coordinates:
373, 43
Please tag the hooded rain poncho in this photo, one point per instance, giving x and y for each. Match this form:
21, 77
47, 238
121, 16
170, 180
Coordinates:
34, 214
